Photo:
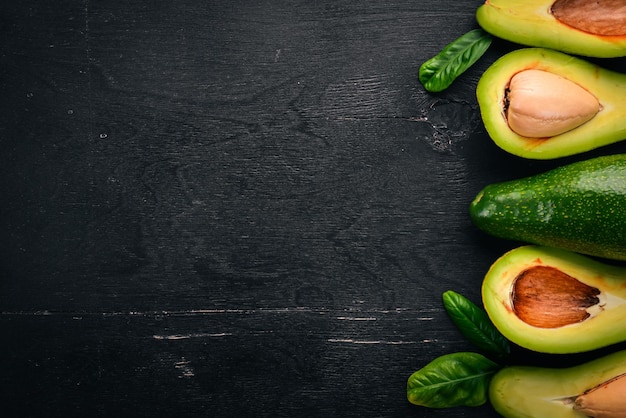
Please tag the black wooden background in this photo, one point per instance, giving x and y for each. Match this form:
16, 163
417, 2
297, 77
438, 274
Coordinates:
235, 208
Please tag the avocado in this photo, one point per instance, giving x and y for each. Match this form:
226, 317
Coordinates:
555, 301
578, 207
580, 27
531, 391
588, 82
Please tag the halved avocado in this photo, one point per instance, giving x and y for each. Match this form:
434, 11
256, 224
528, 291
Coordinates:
581, 27
524, 391
554, 301
604, 127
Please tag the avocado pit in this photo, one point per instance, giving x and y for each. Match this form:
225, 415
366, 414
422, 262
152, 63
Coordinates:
540, 104
600, 17
546, 297
606, 400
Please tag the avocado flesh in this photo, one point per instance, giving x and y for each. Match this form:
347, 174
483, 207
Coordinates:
578, 207
523, 391
604, 324
532, 23
606, 127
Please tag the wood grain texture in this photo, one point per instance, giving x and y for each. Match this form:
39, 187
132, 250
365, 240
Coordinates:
234, 208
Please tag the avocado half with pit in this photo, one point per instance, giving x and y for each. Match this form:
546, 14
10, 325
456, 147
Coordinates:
554, 301
592, 389
542, 104
580, 27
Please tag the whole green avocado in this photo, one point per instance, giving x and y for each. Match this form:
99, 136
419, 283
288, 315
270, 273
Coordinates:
580, 27
579, 207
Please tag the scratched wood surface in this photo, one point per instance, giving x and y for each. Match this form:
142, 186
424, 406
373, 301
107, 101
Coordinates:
235, 208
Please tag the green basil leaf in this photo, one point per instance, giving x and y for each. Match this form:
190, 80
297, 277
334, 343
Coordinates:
475, 325
458, 379
438, 73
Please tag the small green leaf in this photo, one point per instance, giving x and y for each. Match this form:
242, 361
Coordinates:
458, 379
475, 325
438, 73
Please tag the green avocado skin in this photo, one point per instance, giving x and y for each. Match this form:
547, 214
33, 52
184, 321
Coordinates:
578, 207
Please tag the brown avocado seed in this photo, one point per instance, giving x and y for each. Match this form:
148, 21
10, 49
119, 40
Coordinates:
546, 297
607, 400
599, 17
540, 104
